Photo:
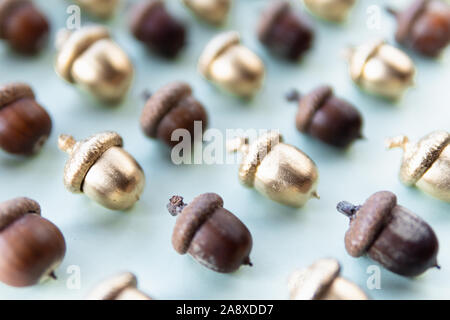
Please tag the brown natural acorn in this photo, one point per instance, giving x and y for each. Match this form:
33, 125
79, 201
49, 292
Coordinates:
172, 107
284, 31
390, 234
211, 234
23, 25
327, 117
152, 24
31, 247
24, 124
424, 26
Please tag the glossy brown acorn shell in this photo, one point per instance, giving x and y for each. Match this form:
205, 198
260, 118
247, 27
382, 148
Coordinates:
159, 30
24, 127
288, 35
222, 243
29, 247
406, 245
182, 116
26, 28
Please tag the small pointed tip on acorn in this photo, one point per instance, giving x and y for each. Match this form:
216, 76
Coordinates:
247, 262
347, 208
175, 205
361, 137
437, 266
146, 94
66, 143
396, 142
293, 95
391, 11
315, 195
53, 275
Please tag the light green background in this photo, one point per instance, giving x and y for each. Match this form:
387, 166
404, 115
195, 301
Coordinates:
102, 243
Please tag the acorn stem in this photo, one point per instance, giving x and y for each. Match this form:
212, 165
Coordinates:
247, 262
293, 95
397, 142
66, 143
176, 205
52, 275
391, 11
347, 208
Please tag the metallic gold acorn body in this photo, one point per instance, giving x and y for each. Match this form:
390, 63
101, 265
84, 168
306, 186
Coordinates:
332, 10
122, 286
232, 66
106, 173
277, 170
91, 59
212, 11
321, 281
100, 8
426, 164
381, 69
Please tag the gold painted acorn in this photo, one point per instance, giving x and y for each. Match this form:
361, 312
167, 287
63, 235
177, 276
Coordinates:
332, 10
100, 168
426, 164
381, 69
321, 281
90, 58
102, 9
279, 171
122, 286
212, 11
232, 66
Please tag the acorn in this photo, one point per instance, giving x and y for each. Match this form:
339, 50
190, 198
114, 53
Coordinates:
151, 23
231, 66
277, 170
122, 286
390, 234
90, 58
381, 69
426, 164
31, 247
321, 281
172, 107
102, 9
212, 11
331, 10
424, 26
23, 26
284, 31
24, 124
211, 234
103, 170
327, 117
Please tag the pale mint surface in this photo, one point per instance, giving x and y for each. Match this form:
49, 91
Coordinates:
102, 243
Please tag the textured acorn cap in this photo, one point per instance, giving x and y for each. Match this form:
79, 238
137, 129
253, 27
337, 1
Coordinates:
215, 48
75, 44
84, 154
360, 55
160, 103
191, 219
14, 91
140, 11
368, 221
309, 104
6, 7
313, 282
270, 16
407, 18
256, 153
13, 209
110, 288
419, 157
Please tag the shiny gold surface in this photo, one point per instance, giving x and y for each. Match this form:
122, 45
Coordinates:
121, 286
212, 11
100, 8
436, 180
343, 289
332, 10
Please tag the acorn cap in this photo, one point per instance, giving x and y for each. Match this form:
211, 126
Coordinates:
406, 19
140, 11
75, 44
191, 219
360, 55
313, 282
309, 104
270, 16
84, 154
256, 153
160, 103
368, 221
13, 209
12, 92
110, 288
6, 7
215, 48
419, 157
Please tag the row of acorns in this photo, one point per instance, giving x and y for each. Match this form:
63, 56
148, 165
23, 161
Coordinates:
94, 166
